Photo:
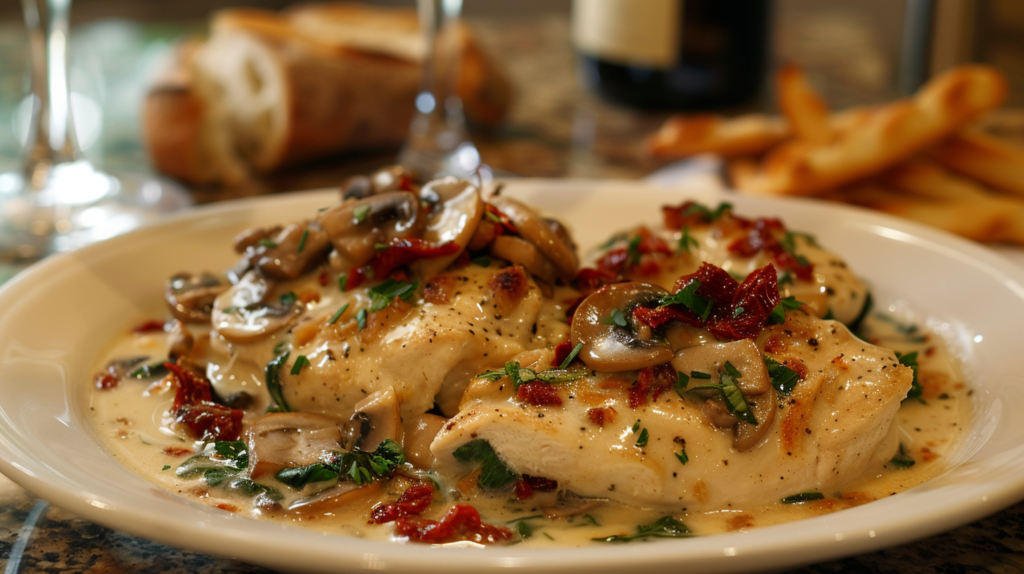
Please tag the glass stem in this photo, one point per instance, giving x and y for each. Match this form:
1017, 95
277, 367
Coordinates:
51, 134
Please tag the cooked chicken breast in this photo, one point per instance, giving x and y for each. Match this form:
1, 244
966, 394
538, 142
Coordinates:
834, 425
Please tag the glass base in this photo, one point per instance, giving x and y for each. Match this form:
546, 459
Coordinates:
74, 206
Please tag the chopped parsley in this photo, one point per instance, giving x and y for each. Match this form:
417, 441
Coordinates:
359, 214
493, 472
681, 455
700, 375
633, 250
289, 299
789, 244
337, 314
272, 376
519, 375
522, 525
783, 378
482, 261
734, 399
902, 460
636, 425
778, 314
910, 360
707, 214
664, 527
149, 371
381, 246
267, 242
360, 467
682, 380
571, 356
382, 294
302, 241
686, 242
300, 362
688, 297
166, 467
615, 318
361, 319
803, 497
220, 465
641, 440
343, 282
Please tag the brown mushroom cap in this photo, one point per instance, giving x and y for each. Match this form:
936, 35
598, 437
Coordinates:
286, 439
517, 250
282, 257
356, 227
376, 418
455, 220
539, 231
609, 347
242, 314
191, 297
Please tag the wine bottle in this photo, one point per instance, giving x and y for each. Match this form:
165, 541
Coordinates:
684, 54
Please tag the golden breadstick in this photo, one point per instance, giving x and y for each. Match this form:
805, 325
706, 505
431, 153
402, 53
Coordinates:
889, 136
928, 179
683, 136
993, 220
803, 107
988, 159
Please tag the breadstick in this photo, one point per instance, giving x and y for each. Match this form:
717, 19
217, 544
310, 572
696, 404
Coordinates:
995, 220
683, 136
988, 159
930, 180
803, 107
891, 134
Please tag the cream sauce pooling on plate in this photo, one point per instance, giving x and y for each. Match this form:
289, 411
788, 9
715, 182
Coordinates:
546, 453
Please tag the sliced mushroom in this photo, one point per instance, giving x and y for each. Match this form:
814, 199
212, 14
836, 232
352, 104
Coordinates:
251, 237
357, 227
180, 340
763, 407
243, 315
754, 383
459, 212
191, 297
292, 251
287, 439
608, 347
419, 433
517, 250
356, 187
332, 499
376, 418
538, 231
711, 358
394, 178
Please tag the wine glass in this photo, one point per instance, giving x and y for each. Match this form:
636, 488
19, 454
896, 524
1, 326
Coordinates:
59, 200
438, 143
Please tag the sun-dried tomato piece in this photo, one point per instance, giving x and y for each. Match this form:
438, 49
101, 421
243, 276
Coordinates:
748, 312
461, 522
105, 380
177, 451
398, 253
588, 279
655, 318
716, 285
651, 381
150, 326
414, 500
192, 387
538, 394
562, 351
527, 485
211, 422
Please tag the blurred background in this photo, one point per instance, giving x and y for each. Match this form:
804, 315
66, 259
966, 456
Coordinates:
854, 52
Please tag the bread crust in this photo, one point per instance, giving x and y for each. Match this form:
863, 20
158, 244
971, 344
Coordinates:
984, 157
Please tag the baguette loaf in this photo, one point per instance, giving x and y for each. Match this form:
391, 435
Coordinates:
269, 90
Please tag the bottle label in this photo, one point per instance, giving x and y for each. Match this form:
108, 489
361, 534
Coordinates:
643, 33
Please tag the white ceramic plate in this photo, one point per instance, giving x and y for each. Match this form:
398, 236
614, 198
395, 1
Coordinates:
58, 317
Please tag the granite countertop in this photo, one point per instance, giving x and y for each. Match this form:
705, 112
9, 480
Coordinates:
557, 129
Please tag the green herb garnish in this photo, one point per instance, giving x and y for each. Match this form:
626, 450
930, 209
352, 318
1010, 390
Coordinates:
382, 294
681, 455
902, 461
302, 241
665, 527
700, 375
343, 282
359, 214
636, 425
686, 242
300, 362
361, 319
783, 378
493, 472
571, 356
705, 213
641, 441
272, 376
482, 261
149, 371
289, 299
910, 360
633, 250
789, 244
267, 242
682, 380
615, 318
803, 497
360, 467
688, 297
778, 314
337, 314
